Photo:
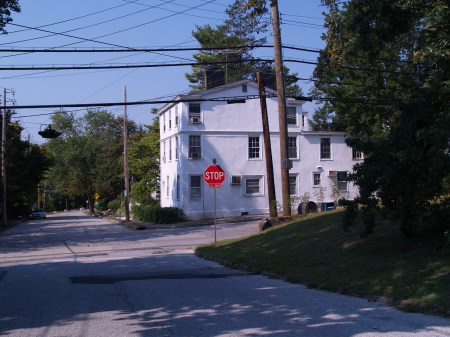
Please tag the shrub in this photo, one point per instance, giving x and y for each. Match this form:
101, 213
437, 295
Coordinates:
114, 205
156, 214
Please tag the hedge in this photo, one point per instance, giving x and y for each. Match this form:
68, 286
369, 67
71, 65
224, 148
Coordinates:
156, 214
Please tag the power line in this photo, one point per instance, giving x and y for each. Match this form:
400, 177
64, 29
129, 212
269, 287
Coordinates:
365, 100
72, 30
134, 49
129, 50
76, 18
304, 23
192, 15
354, 68
342, 83
87, 105
116, 32
165, 49
303, 16
126, 66
27, 76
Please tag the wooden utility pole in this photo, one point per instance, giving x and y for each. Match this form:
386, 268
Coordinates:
4, 121
267, 148
284, 154
125, 157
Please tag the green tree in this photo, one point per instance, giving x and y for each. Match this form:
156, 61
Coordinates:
143, 152
26, 165
243, 27
384, 76
6, 6
237, 30
88, 155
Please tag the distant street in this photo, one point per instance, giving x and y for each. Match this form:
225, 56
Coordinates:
74, 275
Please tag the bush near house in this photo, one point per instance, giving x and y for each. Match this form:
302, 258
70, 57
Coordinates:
157, 214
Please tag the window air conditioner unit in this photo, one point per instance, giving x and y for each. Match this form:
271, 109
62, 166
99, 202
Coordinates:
164, 159
235, 180
195, 155
332, 173
195, 120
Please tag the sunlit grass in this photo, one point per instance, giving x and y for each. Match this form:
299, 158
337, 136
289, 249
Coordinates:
412, 274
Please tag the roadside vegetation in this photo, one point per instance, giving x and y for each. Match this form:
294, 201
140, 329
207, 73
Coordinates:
412, 274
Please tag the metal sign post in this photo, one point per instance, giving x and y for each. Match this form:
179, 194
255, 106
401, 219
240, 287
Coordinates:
215, 225
214, 176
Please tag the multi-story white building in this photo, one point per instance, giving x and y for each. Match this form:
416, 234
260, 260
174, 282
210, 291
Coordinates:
194, 133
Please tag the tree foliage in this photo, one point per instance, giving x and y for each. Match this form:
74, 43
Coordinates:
6, 6
243, 27
385, 76
88, 155
144, 164
26, 165
237, 30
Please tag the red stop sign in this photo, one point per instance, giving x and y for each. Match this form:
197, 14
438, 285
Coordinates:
214, 176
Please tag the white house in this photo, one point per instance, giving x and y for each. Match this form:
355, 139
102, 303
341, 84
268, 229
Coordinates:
195, 132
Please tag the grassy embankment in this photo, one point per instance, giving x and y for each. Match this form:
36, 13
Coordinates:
412, 274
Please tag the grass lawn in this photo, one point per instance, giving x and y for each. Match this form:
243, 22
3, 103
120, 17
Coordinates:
412, 274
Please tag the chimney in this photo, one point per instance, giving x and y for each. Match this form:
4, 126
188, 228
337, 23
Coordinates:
214, 77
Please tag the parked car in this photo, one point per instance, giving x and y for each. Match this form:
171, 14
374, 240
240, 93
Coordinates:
38, 213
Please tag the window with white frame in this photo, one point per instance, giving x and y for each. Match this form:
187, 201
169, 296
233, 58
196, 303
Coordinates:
317, 179
164, 122
325, 148
176, 116
357, 154
244, 88
195, 186
292, 147
170, 149
194, 113
170, 119
195, 148
167, 187
253, 148
176, 148
293, 185
342, 180
178, 187
291, 115
164, 152
253, 186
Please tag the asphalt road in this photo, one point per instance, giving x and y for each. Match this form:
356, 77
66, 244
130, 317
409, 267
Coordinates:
73, 275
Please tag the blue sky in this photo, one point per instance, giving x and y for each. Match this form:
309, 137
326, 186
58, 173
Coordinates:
126, 23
